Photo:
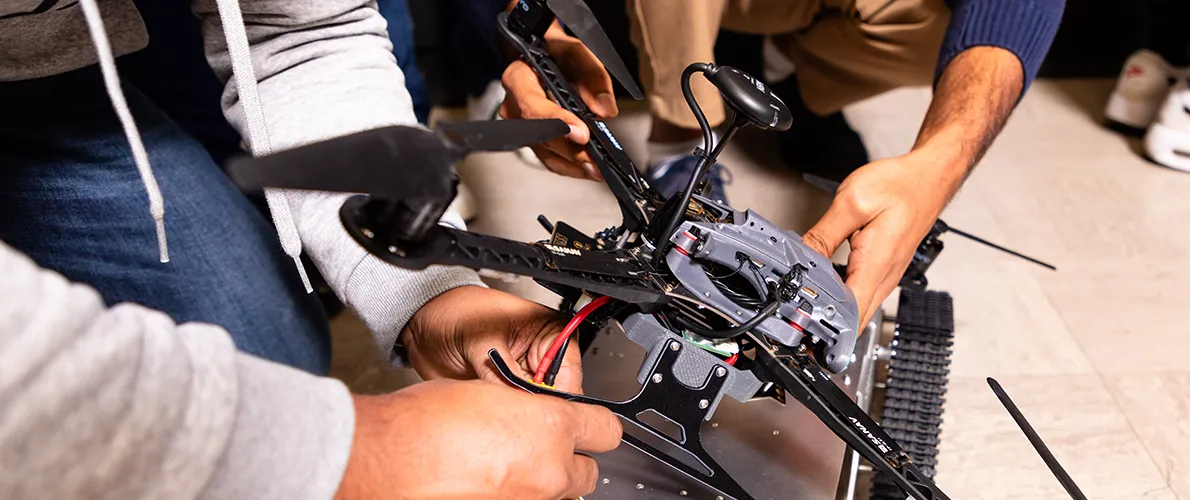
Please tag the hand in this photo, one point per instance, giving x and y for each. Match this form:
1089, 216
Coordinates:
884, 209
450, 440
449, 337
527, 99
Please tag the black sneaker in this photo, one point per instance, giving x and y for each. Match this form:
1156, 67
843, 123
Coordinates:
825, 146
671, 175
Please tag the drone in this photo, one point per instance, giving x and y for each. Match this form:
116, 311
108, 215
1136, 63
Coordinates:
725, 302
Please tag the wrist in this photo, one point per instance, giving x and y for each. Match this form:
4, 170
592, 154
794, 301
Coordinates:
943, 160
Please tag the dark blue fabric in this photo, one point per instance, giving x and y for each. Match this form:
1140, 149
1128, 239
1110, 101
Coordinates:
400, 33
71, 198
1024, 27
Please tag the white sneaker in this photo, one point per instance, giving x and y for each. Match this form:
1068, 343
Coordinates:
1168, 138
1142, 85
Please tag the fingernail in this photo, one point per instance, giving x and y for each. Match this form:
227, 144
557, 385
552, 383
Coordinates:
593, 171
576, 134
607, 104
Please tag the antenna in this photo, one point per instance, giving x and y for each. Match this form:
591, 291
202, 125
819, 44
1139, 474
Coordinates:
1038, 445
972, 237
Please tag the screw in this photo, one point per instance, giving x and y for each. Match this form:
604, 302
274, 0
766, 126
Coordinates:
606, 480
739, 312
720, 371
640, 486
656, 378
703, 404
707, 294
829, 311
720, 497
776, 433
683, 493
392, 249
368, 233
673, 346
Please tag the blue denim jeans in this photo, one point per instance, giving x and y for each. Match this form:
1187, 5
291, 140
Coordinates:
400, 33
71, 199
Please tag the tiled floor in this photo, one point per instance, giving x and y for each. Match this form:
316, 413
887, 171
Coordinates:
1095, 353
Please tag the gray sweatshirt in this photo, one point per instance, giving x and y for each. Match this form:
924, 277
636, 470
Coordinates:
121, 403
124, 404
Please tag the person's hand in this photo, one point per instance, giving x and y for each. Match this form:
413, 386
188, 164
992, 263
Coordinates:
884, 209
449, 439
528, 100
449, 337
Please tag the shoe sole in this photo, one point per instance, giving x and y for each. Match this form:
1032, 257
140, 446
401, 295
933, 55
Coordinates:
1168, 146
1131, 113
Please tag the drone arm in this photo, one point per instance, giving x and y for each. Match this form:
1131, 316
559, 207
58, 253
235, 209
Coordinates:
606, 152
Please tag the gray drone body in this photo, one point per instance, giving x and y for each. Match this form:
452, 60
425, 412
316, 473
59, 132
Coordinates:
822, 308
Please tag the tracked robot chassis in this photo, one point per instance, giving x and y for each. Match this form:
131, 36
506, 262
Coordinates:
725, 303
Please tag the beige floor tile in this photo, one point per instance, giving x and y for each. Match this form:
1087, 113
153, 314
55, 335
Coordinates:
1158, 407
1128, 315
985, 456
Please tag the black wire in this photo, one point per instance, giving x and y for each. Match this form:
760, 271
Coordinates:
737, 297
744, 327
728, 275
556, 364
700, 168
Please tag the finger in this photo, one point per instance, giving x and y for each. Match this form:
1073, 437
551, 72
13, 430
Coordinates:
485, 369
528, 100
582, 473
596, 429
840, 221
866, 272
559, 164
570, 374
591, 79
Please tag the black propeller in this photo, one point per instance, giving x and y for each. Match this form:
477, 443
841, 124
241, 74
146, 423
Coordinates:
1035, 439
581, 21
394, 163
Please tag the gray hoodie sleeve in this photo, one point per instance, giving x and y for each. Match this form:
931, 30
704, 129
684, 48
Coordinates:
326, 69
121, 403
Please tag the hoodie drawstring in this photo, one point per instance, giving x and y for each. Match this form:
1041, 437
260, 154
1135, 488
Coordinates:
258, 141
111, 80
258, 135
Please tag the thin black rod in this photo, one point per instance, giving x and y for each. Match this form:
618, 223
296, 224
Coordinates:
1038, 444
700, 170
1002, 249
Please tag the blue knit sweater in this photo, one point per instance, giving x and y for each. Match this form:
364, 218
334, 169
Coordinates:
1024, 27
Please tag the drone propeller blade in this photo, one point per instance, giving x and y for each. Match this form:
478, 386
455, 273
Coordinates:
501, 135
579, 19
394, 163
1014, 253
1038, 445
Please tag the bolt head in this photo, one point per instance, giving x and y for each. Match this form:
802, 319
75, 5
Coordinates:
720, 371
606, 480
656, 378
673, 346
640, 486
703, 404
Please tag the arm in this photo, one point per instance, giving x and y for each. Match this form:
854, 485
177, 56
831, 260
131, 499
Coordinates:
123, 403
326, 69
991, 53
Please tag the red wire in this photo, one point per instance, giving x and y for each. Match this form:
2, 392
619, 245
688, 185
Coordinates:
571, 326
732, 359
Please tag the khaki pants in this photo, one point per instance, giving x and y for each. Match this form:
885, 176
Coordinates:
843, 50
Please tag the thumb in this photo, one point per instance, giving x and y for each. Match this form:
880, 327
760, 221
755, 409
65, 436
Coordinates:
485, 368
839, 222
